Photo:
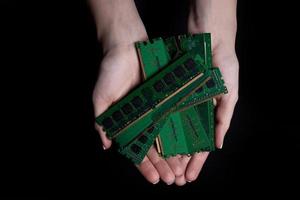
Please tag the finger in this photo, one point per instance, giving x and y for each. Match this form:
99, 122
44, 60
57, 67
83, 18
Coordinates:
181, 180
223, 117
185, 159
195, 165
176, 165
106, 143
148, 171
100, 105
165, 172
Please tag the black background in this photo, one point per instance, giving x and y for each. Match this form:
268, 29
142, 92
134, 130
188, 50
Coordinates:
48, 67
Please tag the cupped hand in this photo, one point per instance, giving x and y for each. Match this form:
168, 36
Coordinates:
119, 72
227, 61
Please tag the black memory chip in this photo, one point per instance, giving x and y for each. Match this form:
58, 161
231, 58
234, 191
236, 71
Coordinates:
135, 148
143, 139
107, 122
190, 65
179, 72
117, 115
147, 93
169, 79
127, 108
137, 101
159, 86
210, 83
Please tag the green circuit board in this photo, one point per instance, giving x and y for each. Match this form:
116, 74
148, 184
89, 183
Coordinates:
174, 102
201, 43
182, 124
156, 53
147, 96
183, 133
137, 149
130, 137
157, 56
212, 88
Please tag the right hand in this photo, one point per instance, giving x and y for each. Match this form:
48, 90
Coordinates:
120, 72
118, 27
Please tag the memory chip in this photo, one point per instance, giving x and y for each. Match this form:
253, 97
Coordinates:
169, 79
147, 93
127, 108
210, 83
135, 148
107, 122
117, 116
143, 139
179, 72
137, 102
158, 86
190, 65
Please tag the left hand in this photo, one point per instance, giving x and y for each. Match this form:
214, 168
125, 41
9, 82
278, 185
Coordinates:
229, 66
219, 18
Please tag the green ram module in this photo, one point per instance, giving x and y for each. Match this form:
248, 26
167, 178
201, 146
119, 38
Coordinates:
212, 88
206, 114
200, 43
157, 55
186, 119
162, 110
183, 133
141, 100
129, 141
149, 59
137, 149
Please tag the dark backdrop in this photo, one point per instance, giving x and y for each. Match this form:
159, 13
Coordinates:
48, 67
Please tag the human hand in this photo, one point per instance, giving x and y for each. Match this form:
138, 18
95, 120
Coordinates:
118, 27
219, 18
119, 72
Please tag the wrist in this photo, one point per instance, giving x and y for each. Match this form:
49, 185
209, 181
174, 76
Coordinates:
117, 22
217, 17
121, 34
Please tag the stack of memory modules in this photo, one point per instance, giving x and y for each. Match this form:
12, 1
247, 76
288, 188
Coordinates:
173, 107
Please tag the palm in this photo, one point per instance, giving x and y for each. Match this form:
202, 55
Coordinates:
229, 66
119, 73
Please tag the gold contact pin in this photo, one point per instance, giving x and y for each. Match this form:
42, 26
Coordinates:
158, 145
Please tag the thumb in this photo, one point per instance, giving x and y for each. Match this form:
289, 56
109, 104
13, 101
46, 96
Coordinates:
100, 105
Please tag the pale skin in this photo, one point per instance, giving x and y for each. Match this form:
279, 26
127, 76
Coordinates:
118, 27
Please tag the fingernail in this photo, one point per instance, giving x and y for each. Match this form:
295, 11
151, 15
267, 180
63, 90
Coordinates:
170, 183
214, 101
188, 181
104, 148
220, 147
156, 182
